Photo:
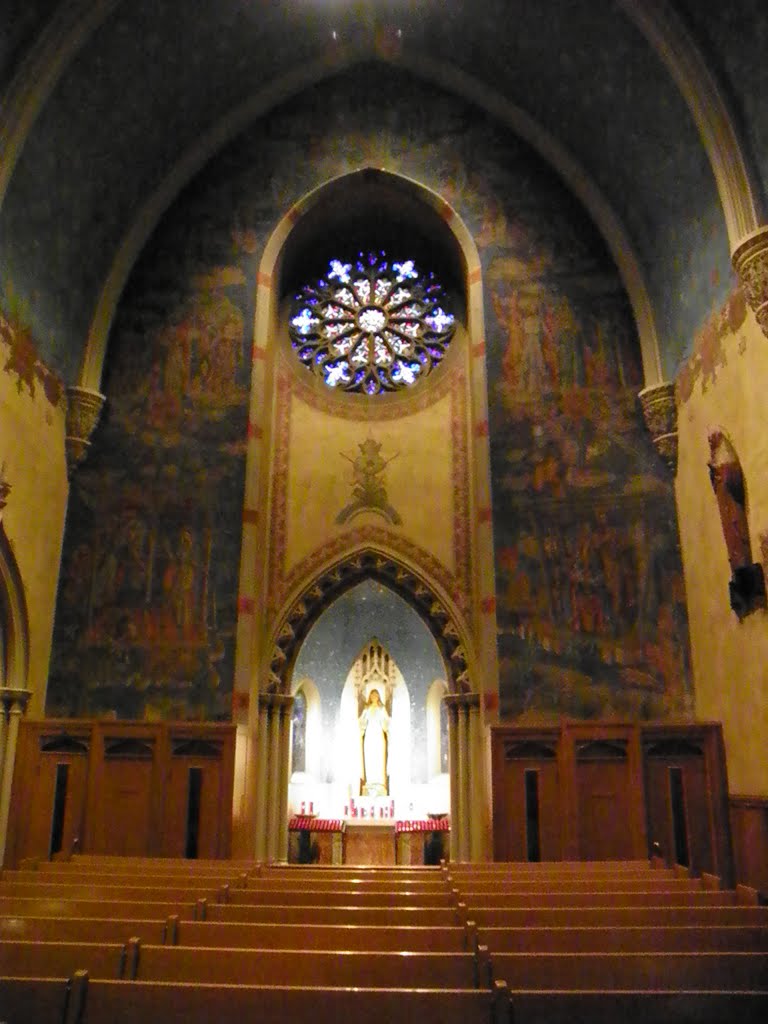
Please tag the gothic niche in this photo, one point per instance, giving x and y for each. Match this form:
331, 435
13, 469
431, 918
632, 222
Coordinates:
747, 584
382, 705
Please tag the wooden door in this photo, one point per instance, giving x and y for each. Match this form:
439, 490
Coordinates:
125, 796
603, 793
51, 782
196, 813
527, 804
678, 804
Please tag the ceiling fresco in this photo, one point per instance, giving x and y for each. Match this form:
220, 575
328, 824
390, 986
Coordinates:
154, 78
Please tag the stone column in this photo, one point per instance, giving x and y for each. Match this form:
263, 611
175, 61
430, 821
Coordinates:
16, 700
262, 741
286, 707
476, 781
750, 261
3, 731
660, 414
273, 782
453, 769
463, 780
83, 411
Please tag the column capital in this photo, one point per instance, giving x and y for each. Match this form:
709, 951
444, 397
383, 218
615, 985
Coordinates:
462, 700
660, 415
15, 700
750, 261
84, 407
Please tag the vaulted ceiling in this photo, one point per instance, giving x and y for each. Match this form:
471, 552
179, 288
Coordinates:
652, 111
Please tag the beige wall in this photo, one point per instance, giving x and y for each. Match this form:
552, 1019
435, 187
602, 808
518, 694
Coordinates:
32, 448
724, 385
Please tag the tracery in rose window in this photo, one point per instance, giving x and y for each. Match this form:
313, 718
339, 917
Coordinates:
371, 326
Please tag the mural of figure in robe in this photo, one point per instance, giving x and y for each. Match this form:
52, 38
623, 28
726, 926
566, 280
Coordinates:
374, 729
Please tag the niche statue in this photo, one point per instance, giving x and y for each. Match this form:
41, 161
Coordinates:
747, 584
374, 730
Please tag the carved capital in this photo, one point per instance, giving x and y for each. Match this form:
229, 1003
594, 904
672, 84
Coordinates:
750, 261
660, 414
83, 411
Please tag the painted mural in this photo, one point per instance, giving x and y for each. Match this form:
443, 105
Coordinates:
146, 612
590, 600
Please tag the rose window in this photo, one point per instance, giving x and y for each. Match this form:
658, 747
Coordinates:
371, 325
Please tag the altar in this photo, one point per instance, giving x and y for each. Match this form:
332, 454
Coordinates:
367, 842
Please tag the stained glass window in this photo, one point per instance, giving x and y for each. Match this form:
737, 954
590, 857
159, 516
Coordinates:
371, 325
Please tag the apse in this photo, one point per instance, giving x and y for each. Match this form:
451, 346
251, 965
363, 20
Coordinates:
369, 737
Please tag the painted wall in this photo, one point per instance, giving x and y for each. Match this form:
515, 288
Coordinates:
590, 596
32, 410
723, 386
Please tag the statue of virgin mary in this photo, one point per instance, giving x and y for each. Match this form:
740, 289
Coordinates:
374, 729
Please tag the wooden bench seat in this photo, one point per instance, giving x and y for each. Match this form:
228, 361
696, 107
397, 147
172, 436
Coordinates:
126, 1002
596, 885
658, 971
427, 917
628, 939
569, 898
24, 906
81, 929
646, 1007
375, 938
110, 893
544, 866
333, 897
62, 959
302, 967
146, 879
615, 916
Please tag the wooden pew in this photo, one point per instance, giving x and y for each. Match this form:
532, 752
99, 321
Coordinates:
708, 971
616, 898
304, 968
645, 1007
615, 916
427, 917
664, 884
62, 959
578, 867
158, 910
123, 878
126, 1002
42, 1000
109, 893
628, 939
82, 929
375, 938
268, 883
333, 897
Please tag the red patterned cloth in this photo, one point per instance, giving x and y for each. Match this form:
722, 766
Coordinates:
424, 825
303, 822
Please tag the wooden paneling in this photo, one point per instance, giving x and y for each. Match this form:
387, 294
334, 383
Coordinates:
749, 822
604, 792
127, 788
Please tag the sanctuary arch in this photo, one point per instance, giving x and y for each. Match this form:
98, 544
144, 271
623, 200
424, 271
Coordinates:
390, 484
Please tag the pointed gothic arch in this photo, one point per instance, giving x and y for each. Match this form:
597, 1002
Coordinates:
435, 611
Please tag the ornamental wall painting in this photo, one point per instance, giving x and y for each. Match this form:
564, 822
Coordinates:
146, 611
590, 596
591, 602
